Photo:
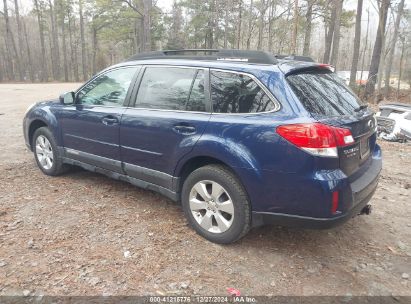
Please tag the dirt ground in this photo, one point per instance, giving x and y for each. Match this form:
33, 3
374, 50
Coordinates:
85, 234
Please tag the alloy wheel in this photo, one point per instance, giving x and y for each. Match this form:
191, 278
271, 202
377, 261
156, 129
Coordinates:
211, 206
44, 152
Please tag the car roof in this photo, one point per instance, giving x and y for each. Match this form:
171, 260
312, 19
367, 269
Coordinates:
285, 66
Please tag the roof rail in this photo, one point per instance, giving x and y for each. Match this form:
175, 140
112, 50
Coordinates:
295, 57
209, 54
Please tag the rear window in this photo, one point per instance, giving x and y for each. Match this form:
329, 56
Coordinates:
323, 93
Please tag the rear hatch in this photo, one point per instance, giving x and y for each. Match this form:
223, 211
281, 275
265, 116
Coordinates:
330, 101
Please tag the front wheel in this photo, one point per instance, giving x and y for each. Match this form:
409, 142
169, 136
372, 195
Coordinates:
46, 152
216, 205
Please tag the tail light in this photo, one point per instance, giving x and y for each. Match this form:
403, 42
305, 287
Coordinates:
316, 138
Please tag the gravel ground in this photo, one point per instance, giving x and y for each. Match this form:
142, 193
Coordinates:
85, 234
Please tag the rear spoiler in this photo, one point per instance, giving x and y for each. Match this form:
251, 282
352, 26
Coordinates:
288, 68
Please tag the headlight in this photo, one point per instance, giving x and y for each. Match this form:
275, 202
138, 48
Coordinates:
29, 108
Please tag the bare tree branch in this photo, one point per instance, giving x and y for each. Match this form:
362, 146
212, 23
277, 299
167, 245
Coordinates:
133, 7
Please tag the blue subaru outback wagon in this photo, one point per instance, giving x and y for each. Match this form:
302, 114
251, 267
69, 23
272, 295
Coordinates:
241, 138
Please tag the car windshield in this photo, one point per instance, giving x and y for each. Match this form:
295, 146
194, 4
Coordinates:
323, 93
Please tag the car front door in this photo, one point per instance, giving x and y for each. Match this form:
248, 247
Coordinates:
171, 111
90, 127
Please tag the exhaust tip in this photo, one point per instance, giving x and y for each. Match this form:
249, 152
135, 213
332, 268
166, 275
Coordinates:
366, 210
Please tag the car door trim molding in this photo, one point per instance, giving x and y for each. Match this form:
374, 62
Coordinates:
169, 193
141, 150
95, 160
149, 175
92, 140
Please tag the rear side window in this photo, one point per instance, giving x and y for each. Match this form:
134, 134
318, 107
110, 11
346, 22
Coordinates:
172, 88
323, 93
237, 93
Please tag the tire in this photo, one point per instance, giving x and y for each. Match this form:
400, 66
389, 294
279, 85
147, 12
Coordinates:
45, 144
207, 206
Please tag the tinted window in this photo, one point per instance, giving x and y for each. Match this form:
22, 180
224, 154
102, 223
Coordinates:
196, 101
172, 89
109, 89
323, 93
236, 93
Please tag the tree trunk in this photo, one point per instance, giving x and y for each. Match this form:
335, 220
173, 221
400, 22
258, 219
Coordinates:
308, 27
357, 43
11, 41
147, 4
63, 38
250, 23
44, 72
377, 51
226, 8
94, 47
270, 25
240, 19
400, 71
55, 52
336, 38
73, 52
261, 25
330, 34
29, 57
83, 42
392, 48
364, 50
295, 29
19, 32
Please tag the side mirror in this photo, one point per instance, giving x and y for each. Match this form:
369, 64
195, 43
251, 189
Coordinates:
67, 98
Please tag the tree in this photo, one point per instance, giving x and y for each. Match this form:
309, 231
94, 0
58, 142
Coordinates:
308, 27
19, 31
392, 48
176, 35
10, 41
44, 72
330, 33
295, 29
336, 35
83, 41
357, 39
378, 47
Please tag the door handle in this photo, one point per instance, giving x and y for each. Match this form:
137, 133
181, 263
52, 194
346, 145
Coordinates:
184, 129
109, 120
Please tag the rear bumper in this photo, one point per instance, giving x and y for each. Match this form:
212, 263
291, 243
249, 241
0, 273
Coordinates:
359, 192
267, 218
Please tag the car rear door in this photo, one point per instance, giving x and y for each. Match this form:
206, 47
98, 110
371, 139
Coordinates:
170, 114
331, 102
90, 127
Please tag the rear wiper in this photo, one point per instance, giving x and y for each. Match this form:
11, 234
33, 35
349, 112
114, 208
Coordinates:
361, 107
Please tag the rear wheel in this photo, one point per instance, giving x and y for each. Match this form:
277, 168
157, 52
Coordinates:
46, 153
216, 205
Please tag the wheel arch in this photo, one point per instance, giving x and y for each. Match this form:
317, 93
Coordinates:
195, 162
34, 125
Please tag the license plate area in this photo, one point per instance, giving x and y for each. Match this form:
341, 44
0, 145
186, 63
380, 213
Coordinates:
364, 147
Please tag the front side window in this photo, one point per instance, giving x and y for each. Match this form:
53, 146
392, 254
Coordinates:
109, 89
238, 93
172, 88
